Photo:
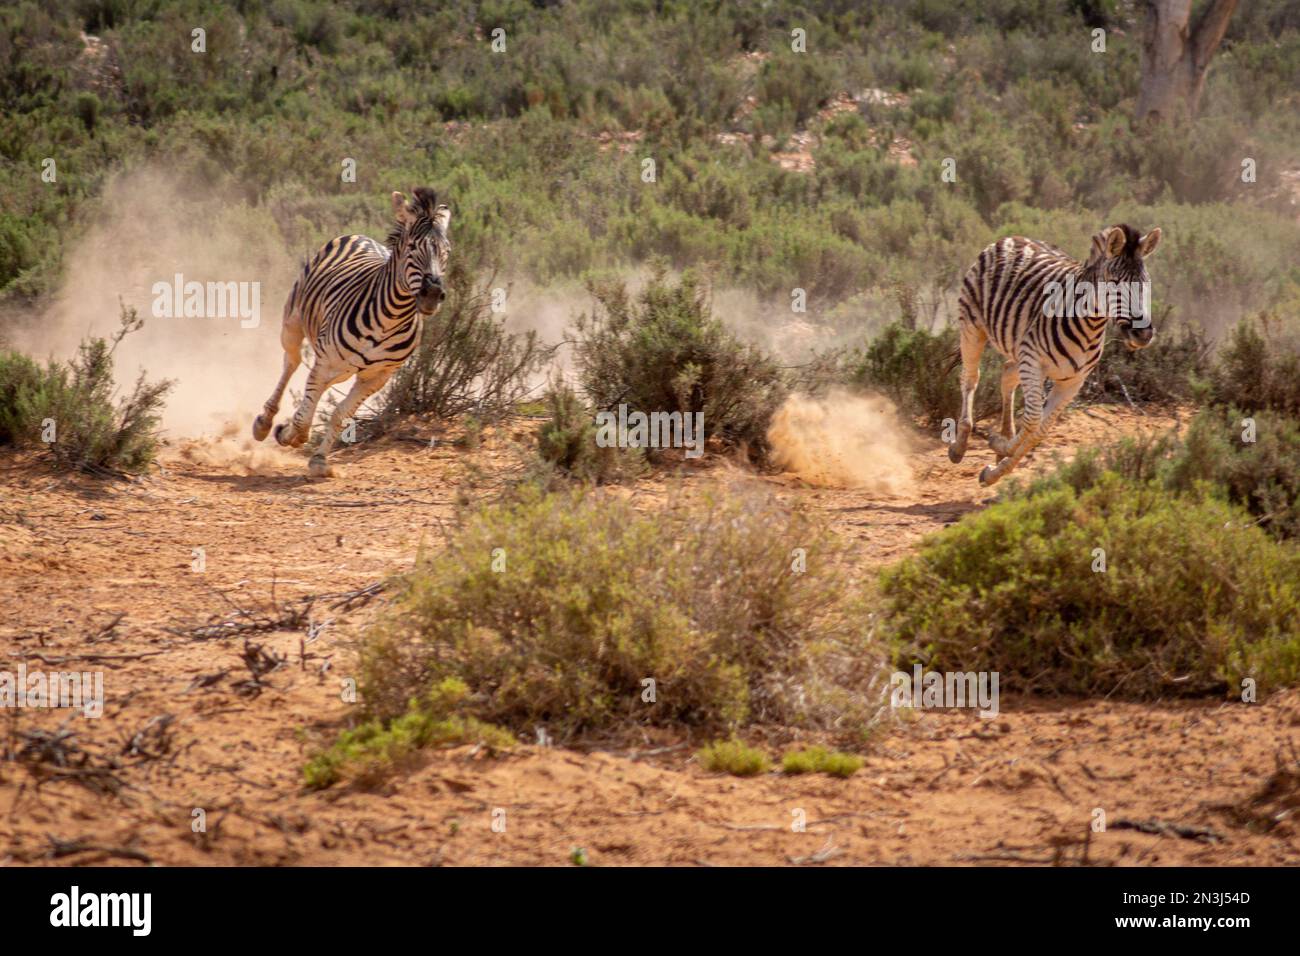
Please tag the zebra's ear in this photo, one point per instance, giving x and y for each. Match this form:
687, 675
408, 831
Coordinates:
1108, 243
442, 216
399, 206
1147, 244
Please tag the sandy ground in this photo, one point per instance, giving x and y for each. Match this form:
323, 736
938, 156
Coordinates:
97, 575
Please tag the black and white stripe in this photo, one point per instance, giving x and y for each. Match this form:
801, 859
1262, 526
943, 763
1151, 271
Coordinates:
360, 305
1046, 314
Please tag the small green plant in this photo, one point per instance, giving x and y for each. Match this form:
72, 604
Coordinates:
371, 752
568, 442
1256, 372
578, 856
821, 760
733, 757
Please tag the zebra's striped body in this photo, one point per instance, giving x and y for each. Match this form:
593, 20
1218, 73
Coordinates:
1019, 297
360, 305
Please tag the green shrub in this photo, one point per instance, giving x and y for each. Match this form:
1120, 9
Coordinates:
1262, 475
87, 107
821, 760
1194, 598
664, 351
733, 757
1256, 467
556, 609
915, 369
568, 441
71, 409
1256, 372
21, 381
466, 361
1170, 370
366, 755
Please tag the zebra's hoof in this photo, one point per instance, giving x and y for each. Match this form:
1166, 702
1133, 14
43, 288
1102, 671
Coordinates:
988, 475
261, 427
318, 467
285, 435
956, 454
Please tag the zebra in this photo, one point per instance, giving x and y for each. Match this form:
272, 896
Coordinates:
1019, 295
359, 304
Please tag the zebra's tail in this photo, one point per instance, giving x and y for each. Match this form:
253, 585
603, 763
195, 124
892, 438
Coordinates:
954, 359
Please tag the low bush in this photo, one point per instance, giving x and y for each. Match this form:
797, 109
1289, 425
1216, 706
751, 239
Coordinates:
1192, 599
72, 410
576, 611
1257, 371
466, 360
665, 351
1250, 460
915, 368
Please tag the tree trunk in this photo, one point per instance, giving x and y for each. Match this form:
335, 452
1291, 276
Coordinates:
1176, 55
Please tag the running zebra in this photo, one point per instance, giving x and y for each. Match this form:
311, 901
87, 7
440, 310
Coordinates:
1046, 315
359, 304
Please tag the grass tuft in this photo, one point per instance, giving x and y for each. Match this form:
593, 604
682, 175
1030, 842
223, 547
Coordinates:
733, 757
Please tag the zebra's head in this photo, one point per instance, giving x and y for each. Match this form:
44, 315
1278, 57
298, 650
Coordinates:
420, 241
1119, 256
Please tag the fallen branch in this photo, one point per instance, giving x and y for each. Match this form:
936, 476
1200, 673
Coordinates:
821, 856
50, 659
1161, 828
61, 848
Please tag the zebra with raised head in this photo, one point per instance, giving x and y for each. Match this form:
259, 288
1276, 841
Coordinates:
1046, 314
359, 304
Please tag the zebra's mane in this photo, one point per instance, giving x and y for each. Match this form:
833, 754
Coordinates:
423, 203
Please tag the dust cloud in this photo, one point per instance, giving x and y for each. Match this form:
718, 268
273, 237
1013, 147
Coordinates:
148, 227
843, 440
235, 453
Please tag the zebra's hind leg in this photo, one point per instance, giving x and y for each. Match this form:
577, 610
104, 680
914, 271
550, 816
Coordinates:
368, 381
972, 347
291, 340
1001, 443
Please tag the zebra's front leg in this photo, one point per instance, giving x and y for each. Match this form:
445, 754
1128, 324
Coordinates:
367, 383
1035, 429
291, 342
296, 431
972, 347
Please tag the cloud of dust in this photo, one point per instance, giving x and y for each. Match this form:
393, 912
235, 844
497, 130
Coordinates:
150, 227
843, 440
549, 311
793, 337
234, 452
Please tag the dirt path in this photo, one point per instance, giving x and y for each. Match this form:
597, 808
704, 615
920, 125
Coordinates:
78, 555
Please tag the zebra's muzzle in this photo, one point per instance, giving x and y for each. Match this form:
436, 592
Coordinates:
1135, 338
431, 295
